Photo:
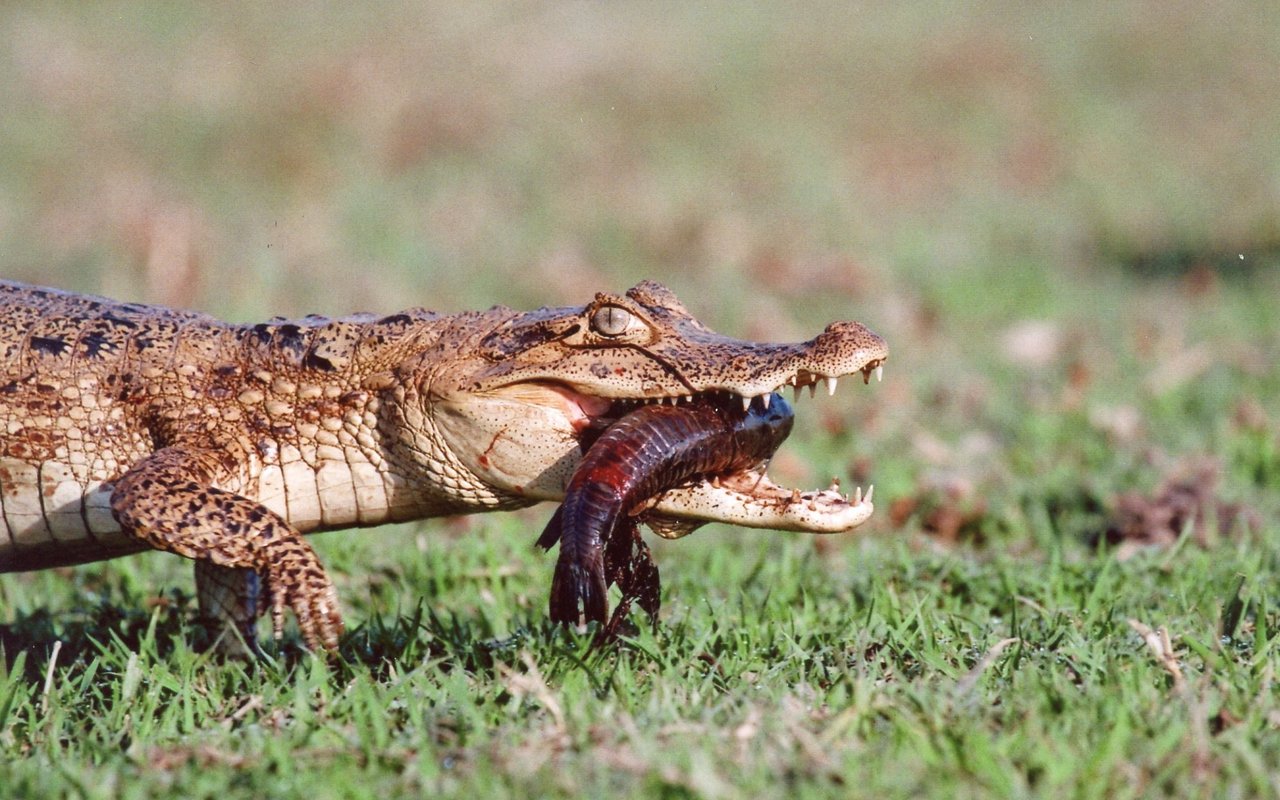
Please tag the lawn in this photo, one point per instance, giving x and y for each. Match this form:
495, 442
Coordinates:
1063, 220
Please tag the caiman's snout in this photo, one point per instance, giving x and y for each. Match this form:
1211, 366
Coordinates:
754, 369
850, 340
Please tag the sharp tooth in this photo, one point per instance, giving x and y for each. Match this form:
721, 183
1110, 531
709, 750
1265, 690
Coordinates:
857, 496
831, 386
870, 491
791, 381
746, 403
879, 372
795, 495
767, 398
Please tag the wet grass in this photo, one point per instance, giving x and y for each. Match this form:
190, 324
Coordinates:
1063, 223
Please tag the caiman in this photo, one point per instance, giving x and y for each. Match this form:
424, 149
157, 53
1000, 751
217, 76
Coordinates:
128, 427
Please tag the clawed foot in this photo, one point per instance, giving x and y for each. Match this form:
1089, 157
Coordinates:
296, 580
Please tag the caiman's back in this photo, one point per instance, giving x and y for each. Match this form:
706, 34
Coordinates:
74, 372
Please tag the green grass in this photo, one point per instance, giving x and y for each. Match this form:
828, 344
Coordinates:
855, 673
1062, 220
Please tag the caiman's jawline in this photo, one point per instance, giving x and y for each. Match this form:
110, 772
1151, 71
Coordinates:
748, 498
752, 500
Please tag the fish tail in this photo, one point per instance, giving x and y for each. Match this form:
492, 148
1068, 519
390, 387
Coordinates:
578, 589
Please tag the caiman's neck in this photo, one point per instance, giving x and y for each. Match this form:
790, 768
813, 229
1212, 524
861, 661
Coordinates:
346, 430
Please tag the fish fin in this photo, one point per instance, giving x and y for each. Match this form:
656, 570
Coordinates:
650, 598
555, 527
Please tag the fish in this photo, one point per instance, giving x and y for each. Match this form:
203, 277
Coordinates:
643, 454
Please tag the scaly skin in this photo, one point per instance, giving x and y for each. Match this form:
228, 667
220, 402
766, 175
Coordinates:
129, 427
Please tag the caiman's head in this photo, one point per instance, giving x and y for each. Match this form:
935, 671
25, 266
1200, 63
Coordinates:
517, 411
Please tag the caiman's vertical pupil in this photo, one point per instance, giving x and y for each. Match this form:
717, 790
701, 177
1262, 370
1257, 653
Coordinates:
611, 320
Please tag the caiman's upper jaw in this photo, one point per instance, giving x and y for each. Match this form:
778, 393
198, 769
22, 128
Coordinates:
797, 381
645, 346
586, 408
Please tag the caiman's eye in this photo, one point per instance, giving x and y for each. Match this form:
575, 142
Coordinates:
611, 320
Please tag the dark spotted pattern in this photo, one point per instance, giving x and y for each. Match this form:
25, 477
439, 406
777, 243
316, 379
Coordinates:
126, 427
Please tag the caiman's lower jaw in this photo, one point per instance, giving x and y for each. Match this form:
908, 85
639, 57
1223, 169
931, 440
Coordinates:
748, 498
751, 500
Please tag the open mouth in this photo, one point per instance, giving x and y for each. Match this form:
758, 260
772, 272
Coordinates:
738, 493
673, 466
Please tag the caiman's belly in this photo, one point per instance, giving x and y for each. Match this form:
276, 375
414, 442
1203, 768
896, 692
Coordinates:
335, 492
50, 518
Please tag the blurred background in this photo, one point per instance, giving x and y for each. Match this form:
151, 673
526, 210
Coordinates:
1065, 218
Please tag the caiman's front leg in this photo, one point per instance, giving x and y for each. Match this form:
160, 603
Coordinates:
168, 502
